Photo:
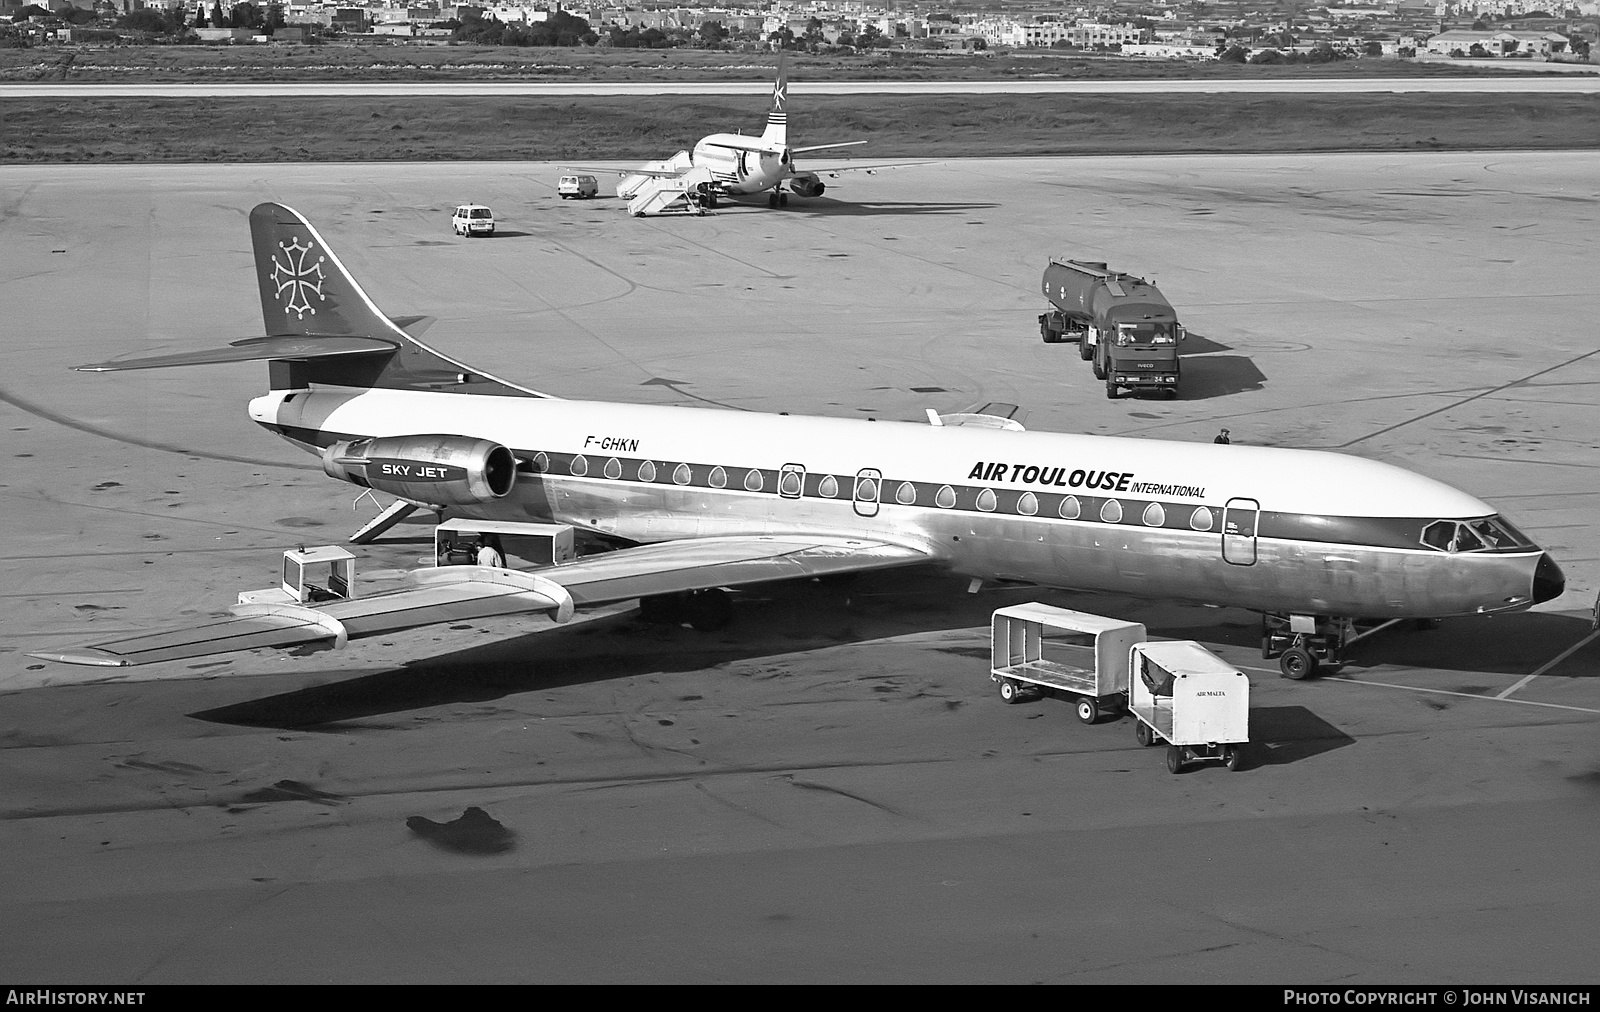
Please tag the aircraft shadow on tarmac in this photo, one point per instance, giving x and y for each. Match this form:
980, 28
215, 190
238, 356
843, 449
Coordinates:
829, 207
1207, 374
776, 619
806, 615
1508, 646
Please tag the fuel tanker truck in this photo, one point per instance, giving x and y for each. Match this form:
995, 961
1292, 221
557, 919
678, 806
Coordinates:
1123, 324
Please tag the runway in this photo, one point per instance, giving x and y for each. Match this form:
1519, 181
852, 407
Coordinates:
829, 790
1545, 84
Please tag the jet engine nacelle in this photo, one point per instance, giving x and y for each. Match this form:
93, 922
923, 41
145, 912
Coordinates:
807, 184
437, 470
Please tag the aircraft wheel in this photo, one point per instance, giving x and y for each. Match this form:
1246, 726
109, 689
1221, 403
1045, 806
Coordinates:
709, 610
1088, 710
1010, 691
772, 200
1297, 663
1174, 758
783, 200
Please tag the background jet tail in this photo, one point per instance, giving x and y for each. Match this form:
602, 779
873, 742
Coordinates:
777, 132
321, 327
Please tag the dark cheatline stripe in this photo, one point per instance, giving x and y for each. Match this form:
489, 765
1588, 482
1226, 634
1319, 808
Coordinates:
1371, 532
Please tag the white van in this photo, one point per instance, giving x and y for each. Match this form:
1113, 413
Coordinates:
472, 219
578, 187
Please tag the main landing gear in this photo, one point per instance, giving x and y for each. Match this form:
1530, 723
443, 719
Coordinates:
777, 198
1304, 643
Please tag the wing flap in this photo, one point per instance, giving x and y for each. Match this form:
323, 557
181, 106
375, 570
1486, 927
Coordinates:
225, 636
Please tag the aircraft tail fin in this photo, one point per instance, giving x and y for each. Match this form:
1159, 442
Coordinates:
777, 132
322, 327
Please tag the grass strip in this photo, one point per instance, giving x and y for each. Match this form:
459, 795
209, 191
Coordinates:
551, 129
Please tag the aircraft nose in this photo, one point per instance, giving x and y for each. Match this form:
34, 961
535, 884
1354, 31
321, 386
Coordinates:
1548, 580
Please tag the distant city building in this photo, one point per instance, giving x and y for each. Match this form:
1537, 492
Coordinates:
1498, 43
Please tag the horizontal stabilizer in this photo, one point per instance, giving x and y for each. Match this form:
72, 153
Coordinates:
255, 349
735, 144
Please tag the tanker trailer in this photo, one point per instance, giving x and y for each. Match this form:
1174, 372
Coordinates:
1121, 323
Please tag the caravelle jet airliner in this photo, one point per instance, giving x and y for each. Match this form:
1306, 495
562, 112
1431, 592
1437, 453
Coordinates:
736, 165
709, 499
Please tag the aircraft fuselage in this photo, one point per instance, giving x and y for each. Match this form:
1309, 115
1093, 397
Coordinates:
739, 171
1273, 530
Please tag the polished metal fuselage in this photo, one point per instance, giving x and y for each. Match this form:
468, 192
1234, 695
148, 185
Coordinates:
1286, 576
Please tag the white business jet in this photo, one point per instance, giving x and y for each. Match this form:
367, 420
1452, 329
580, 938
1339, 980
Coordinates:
711, 499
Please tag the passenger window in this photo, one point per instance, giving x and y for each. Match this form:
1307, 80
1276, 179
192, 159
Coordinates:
789, 484
987, 500
1111, 512
1071, 509
647, 471
828, 488
580, 465
1201, 519
906, 494
719, 477
1028, 504
945, 498
867, 490
613, 468
1154, 515
752, 481
541, 462
681, 475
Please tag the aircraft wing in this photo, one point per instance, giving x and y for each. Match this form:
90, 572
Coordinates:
614, 171
457, 593
825, 147
834, 170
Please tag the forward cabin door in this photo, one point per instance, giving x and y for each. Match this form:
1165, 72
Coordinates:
1240, 518
869, 484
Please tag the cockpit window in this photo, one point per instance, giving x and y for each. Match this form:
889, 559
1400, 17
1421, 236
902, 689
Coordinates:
1439, 534
1488, 534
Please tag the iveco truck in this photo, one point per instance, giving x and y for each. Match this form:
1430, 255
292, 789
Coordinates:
1123, 324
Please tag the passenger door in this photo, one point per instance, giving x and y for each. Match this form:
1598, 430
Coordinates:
1240, 518
869, 485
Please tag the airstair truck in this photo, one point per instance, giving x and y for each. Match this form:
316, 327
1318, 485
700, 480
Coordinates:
1123, 324
1178, 693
